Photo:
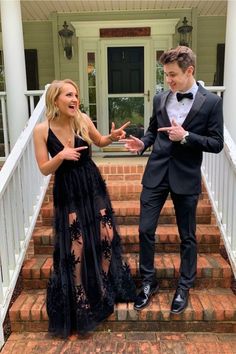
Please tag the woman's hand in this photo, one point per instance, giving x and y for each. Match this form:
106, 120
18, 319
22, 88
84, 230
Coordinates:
119, 133
70, 153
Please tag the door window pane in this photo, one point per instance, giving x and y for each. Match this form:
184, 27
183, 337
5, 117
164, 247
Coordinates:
159, 73
123, 109
125, 70
91, 69
2, 77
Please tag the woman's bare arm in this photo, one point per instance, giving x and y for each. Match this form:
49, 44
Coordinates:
104, 140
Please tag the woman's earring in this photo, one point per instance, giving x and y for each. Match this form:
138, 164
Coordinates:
56, 111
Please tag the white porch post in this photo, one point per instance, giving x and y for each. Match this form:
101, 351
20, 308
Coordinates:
230, 71
14, 67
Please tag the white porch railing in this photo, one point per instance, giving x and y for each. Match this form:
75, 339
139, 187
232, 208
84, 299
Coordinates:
219, 174
31, 96
22, 190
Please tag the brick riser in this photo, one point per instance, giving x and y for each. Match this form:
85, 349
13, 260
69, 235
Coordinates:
134, 248
167, 239
208, 310
122, 191
129, 215
212, 271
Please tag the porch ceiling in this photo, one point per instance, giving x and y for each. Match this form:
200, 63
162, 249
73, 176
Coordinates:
33, 10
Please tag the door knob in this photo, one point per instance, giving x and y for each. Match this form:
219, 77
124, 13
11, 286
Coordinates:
148, 95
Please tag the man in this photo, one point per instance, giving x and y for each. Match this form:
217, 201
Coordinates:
186, 120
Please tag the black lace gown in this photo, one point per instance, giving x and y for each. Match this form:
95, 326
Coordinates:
89, 276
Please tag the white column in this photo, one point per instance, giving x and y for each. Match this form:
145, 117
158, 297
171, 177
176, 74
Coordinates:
14, 67
230, 71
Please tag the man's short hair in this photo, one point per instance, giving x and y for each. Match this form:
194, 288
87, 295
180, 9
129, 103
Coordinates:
182, 55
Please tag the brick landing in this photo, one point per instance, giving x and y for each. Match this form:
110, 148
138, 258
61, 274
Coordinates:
120, 342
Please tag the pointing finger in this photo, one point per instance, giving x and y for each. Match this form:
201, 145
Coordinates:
81, 148
128, 140
112, 126
125, 125
164, 129
134, 138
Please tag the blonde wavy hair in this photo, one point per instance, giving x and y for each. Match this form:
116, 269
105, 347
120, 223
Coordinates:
80, 123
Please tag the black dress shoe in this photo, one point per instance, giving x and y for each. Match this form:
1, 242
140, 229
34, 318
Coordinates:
145, 296
180, 301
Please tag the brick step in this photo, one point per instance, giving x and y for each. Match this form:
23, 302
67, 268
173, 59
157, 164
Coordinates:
211, 310
167, 240
121, 171
118, 190
128, 213
212, 270
111, 171
122, 190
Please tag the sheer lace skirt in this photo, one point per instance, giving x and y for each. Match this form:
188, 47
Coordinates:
88, 276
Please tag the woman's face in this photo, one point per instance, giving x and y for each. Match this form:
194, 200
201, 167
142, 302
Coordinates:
67, 101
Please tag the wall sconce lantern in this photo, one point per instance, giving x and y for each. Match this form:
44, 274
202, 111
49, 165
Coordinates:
66, 38
185, 32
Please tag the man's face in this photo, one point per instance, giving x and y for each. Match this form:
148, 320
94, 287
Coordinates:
177, 79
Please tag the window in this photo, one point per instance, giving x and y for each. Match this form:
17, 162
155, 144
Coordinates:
2, 78
92, 97
159, 72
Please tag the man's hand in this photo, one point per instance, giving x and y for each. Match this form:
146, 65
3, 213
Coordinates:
133, 144
119, 133
175, 132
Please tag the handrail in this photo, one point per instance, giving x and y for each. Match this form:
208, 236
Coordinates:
22, 190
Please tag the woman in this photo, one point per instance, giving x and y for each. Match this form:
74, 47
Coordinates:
88, 273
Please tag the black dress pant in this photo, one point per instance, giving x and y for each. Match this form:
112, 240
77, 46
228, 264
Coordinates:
152, 201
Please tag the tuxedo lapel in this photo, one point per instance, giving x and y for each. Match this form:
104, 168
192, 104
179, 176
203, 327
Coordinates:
198, 102
164, 114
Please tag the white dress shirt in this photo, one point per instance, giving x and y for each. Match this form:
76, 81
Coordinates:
180, 109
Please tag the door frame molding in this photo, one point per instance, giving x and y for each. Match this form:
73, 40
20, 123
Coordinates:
88, 37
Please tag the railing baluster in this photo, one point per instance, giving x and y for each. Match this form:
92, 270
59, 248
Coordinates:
3, 249
19, 206
229, 206
15, 225
9, 230
233, 243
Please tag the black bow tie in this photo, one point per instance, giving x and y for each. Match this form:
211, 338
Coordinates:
180, 96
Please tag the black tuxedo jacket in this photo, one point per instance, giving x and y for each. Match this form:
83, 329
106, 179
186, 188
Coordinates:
182, 162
